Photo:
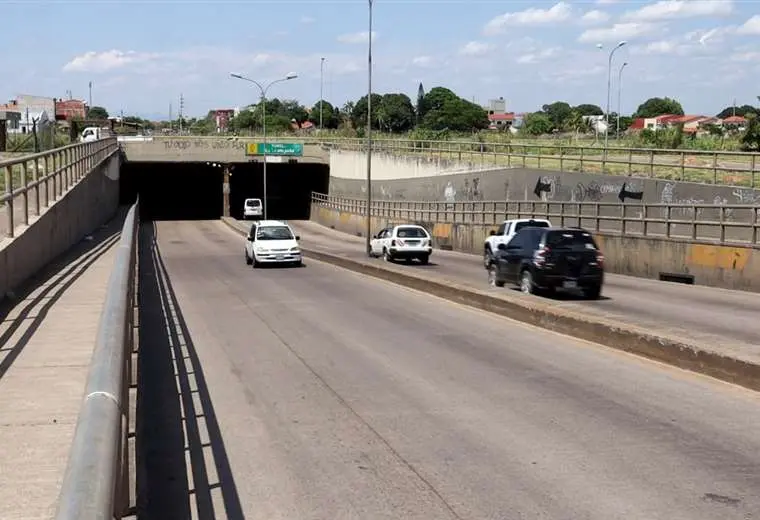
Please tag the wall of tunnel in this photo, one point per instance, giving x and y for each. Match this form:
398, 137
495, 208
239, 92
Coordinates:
194, 191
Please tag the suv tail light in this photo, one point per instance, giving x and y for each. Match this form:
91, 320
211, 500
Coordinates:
600, 259
539, 257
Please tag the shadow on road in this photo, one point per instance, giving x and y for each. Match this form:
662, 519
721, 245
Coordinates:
182, 464
39, 294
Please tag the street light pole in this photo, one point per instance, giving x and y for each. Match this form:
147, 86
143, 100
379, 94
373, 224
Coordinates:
620, 88
321, 90
264, 90
369, 135
609, 85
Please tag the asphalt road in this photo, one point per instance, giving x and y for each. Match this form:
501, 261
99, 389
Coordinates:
728, 320
318, 393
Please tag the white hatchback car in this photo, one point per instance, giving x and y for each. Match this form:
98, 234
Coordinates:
252, 208
406, 241
272, 242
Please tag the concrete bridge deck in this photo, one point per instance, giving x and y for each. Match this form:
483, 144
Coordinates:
47, 335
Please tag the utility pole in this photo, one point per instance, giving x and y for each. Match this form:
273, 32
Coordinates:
170, 117
181, 111
369, 135
321, 90
90, 94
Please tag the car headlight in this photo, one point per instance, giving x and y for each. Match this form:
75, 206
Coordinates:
260, 249
295, 250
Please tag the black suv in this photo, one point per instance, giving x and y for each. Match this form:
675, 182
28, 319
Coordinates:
541, 260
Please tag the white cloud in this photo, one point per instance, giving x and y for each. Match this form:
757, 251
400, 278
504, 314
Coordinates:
676, 9
619, 31
307, 19
104, 61
606, 2
532, 16
424, 61
535, 57
474, 48
359, 37
748, 56
595, 16
751, 26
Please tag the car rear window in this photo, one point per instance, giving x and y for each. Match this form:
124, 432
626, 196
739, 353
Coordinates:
570, 239
253, 203
411, 232
534, 223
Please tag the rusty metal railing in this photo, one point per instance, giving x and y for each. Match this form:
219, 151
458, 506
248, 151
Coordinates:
34, 182
722, 224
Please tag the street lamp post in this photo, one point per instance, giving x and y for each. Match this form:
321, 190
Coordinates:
369, 135
321, 90
609, 85
264, 90
620, 88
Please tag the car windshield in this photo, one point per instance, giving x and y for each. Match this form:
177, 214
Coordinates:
253, 203
531, 223
570, 239
274, 233
411, 232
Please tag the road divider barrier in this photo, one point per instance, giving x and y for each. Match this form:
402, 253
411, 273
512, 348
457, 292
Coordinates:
531, 310
721, 248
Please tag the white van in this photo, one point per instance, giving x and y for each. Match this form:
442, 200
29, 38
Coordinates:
252, 208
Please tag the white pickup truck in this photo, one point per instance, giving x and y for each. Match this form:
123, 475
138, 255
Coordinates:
504, 234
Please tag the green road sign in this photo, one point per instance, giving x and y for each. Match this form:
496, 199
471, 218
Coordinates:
290, 149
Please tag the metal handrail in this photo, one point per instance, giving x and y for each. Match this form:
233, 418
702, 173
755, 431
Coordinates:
48, 175
716, 167
96, 482
724, 224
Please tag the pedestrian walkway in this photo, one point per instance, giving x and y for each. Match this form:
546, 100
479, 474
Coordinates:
47, 335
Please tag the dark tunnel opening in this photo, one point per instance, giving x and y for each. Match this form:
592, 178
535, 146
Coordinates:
195, 191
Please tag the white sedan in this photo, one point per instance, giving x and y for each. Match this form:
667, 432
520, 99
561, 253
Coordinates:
272, 242
407, 241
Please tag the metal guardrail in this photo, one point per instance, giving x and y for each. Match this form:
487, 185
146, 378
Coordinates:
96, 482
711, 166
47, 176
729, 224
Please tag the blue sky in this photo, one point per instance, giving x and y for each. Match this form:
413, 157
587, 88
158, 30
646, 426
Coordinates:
142, 55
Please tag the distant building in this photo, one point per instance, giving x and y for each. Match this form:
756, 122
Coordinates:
496, 106
68, 109
222, 117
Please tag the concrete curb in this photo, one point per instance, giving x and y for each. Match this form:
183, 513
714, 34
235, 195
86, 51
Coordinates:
631, 339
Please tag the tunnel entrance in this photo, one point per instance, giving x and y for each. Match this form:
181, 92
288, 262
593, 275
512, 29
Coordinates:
289, 188
195, 191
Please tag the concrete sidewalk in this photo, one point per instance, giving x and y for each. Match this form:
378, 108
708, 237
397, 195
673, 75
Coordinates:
46, 339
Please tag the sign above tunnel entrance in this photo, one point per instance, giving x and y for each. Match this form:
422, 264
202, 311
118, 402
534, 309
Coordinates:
281, 149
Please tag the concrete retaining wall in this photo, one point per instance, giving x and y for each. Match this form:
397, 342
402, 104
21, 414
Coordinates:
204, 149
428, 179
711, 265
81, 210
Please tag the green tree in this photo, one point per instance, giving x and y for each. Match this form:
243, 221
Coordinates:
654, 107
740, 111
537, 123
558, 112
396, 113
419, 110
97, 113
330, 115
292, 110
359, 112
446, 110
589, 110
751, 137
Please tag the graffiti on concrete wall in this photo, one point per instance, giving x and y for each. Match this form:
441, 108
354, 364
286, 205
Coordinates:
450, 192
472, 189
203, 144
